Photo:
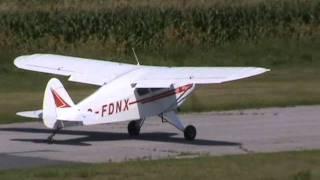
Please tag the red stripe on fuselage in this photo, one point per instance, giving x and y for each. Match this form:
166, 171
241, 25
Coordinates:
164, 94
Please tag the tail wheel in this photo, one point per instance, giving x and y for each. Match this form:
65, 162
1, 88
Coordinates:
190, 133
134, 128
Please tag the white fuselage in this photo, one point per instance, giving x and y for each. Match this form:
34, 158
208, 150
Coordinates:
118, 101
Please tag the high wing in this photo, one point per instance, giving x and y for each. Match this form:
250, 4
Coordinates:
88, 71
166, 76
97, 72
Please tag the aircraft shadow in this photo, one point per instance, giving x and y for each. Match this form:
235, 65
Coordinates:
92, 136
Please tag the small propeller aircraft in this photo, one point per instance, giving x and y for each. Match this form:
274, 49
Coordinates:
127, 92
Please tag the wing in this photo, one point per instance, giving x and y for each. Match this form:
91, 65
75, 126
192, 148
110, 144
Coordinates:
81, 70
97, 72
166, 77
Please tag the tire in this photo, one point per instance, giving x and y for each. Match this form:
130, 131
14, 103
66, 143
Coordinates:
133, 128
190, 133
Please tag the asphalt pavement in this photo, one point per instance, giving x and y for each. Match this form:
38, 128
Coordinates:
24, 145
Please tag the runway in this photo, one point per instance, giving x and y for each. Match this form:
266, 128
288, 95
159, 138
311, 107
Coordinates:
219, 133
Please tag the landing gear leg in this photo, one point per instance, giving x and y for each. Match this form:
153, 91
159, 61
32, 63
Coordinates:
189, 131
134, 127
55, 131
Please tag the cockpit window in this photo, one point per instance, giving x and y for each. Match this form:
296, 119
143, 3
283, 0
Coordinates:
142, 91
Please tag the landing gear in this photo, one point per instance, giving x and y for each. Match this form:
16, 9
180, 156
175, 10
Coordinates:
50, 138
58, 126
190, 133
134, 127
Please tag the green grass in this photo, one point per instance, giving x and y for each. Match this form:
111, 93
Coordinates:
303, 165
281, 87
94, 5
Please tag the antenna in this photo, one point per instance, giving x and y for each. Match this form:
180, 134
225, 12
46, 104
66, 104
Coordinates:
135, 56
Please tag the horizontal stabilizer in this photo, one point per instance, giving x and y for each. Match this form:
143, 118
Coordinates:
31, 114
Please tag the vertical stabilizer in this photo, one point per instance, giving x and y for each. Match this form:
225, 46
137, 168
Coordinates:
55, 97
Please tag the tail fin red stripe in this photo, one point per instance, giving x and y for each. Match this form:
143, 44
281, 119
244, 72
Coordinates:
60, 103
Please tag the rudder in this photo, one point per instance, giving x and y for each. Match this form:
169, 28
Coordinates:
55, 96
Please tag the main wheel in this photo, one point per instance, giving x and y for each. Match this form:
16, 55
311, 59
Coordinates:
190, 133
134, 128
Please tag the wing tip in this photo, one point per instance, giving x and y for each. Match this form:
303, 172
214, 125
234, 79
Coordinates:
259, 70
264, 69
19, 61
22, 61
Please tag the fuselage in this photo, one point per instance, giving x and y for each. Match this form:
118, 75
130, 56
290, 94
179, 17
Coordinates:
121, 101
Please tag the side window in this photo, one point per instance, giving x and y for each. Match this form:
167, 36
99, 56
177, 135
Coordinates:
142, 91
155, 89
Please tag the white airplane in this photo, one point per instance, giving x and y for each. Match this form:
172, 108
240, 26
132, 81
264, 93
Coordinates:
127, 92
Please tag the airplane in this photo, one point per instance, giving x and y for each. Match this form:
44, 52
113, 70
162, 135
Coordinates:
127, 92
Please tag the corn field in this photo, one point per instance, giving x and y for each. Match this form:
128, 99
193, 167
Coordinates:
155, 27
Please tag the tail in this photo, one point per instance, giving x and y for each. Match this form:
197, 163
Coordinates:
55, 97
